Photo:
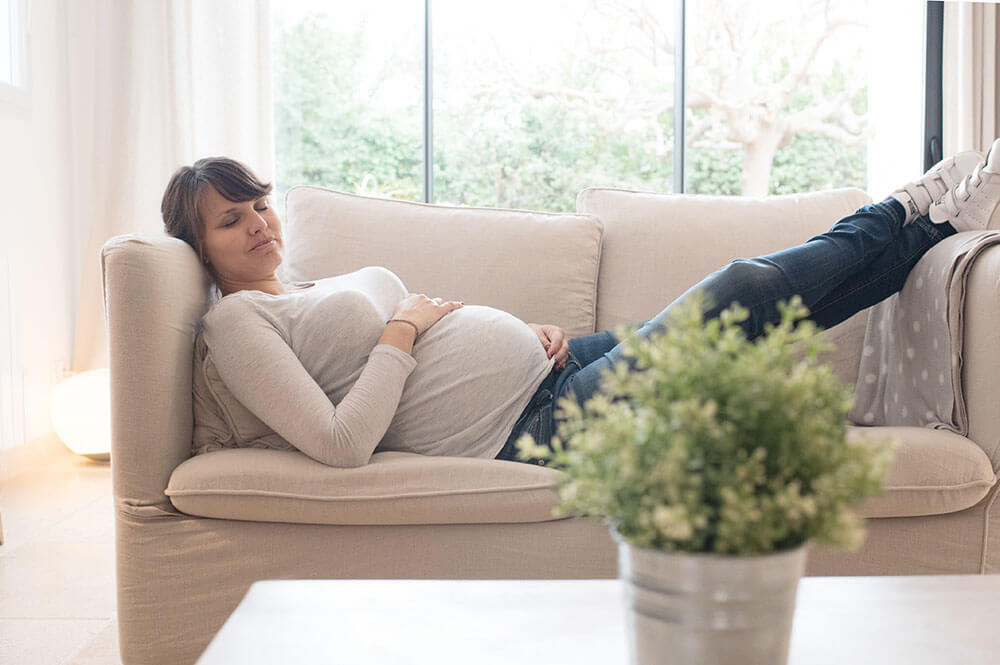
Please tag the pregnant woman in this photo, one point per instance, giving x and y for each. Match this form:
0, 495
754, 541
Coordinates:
344, 366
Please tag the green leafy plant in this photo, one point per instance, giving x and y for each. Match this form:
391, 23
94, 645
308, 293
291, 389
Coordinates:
718, 443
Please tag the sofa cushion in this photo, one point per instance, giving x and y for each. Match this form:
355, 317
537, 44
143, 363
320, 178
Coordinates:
394, 488
541, 267
934, 472
656, 246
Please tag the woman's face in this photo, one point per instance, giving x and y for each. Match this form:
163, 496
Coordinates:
243, 241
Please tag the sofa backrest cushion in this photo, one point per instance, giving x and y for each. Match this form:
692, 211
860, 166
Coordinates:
656, 246
541, 267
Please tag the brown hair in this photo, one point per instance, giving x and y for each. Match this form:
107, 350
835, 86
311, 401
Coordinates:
181, 217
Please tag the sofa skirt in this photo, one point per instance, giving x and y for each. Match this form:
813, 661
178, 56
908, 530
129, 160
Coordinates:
180, 577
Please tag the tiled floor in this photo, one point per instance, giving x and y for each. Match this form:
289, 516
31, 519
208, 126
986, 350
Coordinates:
57, 590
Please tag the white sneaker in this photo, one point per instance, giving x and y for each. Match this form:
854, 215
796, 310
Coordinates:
971, 205
918, 196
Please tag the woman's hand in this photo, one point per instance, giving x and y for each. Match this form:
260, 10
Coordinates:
553, 339
423, 312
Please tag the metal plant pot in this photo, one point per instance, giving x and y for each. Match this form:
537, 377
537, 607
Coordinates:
707, 609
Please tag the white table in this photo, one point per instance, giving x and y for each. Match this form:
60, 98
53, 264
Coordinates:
932, 620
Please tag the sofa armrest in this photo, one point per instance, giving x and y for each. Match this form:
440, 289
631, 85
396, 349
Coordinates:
981, 363
155, 293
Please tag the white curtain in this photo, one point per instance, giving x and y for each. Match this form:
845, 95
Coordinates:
153, 85
970, 89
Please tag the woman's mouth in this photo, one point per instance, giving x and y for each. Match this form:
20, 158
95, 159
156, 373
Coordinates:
263, 245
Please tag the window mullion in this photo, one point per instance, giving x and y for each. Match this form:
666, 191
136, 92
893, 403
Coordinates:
933, 103
428, 109
679, 101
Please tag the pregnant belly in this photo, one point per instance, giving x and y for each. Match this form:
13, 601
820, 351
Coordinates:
474, 367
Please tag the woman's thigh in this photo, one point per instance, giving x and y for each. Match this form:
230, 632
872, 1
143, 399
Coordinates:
585, 350
588, 357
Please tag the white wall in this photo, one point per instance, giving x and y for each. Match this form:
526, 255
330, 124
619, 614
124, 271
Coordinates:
35, 215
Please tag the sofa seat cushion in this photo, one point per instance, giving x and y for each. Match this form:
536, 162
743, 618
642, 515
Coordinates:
539, 266
394, 488
934, 472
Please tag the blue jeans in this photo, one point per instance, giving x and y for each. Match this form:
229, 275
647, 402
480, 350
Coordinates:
862, 260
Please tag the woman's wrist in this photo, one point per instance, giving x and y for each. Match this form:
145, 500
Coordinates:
399, 333
416, 330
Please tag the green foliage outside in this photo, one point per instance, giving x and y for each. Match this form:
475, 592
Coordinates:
718, 443
504, 149
810, 163
327, 132
813, 162
541, 160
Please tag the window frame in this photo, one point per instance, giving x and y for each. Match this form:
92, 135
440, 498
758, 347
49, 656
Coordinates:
933, 84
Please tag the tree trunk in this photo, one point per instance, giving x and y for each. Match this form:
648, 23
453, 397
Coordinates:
757, 157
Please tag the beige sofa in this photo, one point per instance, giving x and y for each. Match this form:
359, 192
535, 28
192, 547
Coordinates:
193, 533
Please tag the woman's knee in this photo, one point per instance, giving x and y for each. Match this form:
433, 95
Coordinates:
746, 281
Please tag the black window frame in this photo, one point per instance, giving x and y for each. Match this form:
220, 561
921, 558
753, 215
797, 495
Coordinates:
933, 82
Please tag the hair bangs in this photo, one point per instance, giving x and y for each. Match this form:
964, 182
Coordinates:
232, 180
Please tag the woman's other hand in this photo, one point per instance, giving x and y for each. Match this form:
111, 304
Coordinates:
554, 341
423, 312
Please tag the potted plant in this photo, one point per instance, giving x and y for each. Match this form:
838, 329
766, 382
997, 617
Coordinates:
716, 463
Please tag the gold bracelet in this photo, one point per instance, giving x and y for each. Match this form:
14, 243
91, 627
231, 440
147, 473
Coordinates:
416, 330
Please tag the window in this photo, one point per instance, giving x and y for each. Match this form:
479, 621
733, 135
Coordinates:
348, 96
777, 96
527, 112
6, 75
535, 100
13, 60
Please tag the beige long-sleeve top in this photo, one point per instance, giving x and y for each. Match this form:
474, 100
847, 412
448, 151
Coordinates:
304, 370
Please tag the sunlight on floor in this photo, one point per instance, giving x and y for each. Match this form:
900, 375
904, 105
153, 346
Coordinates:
57, 592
